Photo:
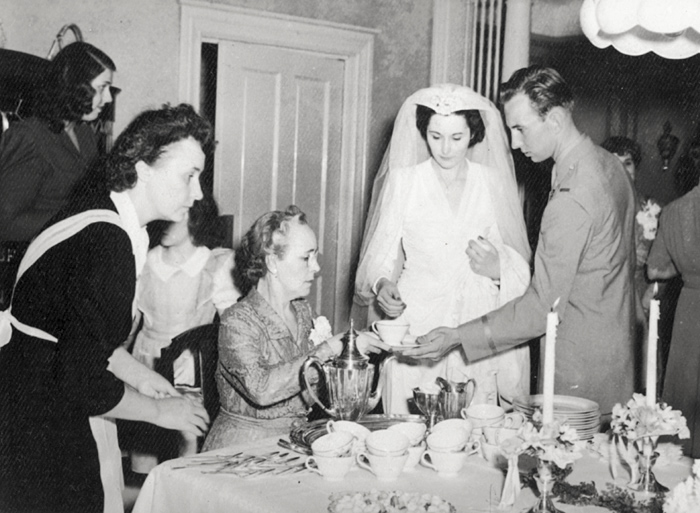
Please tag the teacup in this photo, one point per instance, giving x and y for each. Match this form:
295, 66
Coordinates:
357, 430
446, 464
385, 468
331, 468
391, 331
481, 415
333, 444
386, 443
448, 440
414, 454
514, 420
493, 455
464, 424
414, 431
496, 434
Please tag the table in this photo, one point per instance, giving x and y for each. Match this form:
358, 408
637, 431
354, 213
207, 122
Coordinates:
476, 489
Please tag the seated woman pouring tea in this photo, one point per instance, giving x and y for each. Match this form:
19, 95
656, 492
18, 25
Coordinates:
266, 337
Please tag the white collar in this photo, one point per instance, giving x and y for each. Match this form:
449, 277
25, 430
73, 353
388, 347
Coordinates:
132, 226
192, 266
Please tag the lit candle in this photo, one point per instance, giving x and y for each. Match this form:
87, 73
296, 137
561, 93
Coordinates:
651, 347
548, 385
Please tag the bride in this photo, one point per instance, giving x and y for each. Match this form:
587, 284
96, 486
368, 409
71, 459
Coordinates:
445, 240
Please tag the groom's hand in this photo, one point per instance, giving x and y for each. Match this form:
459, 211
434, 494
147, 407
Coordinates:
434, 345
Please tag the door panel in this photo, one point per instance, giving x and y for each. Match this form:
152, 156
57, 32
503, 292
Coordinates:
279, 119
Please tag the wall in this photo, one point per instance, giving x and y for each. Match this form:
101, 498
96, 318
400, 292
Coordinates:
142, 37
618, 94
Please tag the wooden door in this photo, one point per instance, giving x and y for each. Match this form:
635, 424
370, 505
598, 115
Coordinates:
279, 131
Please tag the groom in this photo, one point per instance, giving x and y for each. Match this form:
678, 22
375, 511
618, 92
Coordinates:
584, 259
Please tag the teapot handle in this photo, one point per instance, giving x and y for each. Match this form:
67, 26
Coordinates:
373, 399
470, 397
313, 361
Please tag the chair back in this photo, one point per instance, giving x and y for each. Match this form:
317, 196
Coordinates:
202, 341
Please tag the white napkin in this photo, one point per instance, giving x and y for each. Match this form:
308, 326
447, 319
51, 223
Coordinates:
183, 369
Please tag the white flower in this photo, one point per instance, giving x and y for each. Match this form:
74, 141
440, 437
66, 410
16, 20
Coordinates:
685, 497
321, 331
648, 218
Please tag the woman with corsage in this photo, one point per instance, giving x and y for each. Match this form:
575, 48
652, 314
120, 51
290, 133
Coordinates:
445, 240
267, 336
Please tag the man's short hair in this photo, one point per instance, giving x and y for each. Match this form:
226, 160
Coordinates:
545, 88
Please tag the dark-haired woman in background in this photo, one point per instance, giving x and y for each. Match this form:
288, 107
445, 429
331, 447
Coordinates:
445, 240
185, 282
42, 158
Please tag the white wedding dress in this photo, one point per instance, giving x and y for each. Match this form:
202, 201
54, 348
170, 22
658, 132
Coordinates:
437, 283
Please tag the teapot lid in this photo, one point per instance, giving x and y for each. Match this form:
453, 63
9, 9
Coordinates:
351, 357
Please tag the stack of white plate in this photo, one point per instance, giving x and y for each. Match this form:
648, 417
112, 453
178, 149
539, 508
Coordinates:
581, 414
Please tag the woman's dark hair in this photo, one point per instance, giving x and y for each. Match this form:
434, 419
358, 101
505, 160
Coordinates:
147, 137
545, 88
621, 146
472, 117
66, 93
203, 224
267, 236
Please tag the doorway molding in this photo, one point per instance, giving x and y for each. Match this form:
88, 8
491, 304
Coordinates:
205, 22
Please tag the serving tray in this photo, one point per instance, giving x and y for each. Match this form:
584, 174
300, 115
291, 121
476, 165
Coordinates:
305, 433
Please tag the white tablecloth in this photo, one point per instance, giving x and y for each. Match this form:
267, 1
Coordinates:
476, 489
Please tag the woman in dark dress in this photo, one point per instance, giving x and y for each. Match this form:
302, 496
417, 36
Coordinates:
42, 158
676, 251
64, 375
45, 157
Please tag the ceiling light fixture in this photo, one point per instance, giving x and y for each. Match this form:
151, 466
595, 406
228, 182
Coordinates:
669, 28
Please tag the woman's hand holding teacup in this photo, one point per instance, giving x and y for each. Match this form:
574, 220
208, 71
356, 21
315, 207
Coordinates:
366, 343
484, 258
389, 298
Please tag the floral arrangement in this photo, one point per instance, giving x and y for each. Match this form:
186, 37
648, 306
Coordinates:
635, 429
556, 442
685, 496
648, 218
636, 420
388, 502
321, 331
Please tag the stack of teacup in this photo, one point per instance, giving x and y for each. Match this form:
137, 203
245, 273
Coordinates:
493, 425
385, 454
415, 432
359, 431
332, 455
449, 445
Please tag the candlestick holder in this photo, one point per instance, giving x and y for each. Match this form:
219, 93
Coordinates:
545, 482
644, 480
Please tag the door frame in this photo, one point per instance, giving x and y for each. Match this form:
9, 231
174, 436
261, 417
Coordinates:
204, 22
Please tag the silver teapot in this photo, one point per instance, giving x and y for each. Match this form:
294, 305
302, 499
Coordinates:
348, 379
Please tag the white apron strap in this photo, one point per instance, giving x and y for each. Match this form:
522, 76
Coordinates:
104, 431
47, 239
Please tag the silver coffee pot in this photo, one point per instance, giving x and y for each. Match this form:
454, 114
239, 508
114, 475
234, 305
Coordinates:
348, 378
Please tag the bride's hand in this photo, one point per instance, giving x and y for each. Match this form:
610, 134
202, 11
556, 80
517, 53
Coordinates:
484, 258
389, 298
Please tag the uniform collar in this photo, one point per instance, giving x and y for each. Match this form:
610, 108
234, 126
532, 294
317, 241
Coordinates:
130, 222
192, 266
